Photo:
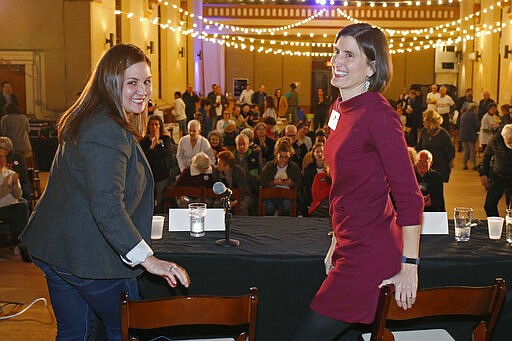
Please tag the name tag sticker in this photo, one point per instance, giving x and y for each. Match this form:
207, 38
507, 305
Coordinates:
333, 120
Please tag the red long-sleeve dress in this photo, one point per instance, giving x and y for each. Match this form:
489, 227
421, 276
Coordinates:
368, 160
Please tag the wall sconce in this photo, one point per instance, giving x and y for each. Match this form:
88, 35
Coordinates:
110, 39
507, 52
181, 52
151, 47
475, 56
200, 55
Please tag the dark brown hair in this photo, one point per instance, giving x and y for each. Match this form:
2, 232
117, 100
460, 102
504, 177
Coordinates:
102, 91
374, 45
227, 157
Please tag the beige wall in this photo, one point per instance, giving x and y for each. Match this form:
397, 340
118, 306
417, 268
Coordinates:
274, 71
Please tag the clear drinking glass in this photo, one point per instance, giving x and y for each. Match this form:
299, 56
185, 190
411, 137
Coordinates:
508, 225
197, 212
462, 217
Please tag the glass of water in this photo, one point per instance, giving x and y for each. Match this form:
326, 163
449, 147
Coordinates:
508, 225
197, 212
462, 217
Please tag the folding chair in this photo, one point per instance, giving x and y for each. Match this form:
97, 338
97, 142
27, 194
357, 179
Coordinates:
192, 311
271, 193
482, 303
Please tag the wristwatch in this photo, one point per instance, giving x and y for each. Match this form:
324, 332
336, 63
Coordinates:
410, 260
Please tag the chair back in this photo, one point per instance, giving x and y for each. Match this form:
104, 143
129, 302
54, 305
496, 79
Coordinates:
191, 310
209, 194
271, 193
180, 191
483, 303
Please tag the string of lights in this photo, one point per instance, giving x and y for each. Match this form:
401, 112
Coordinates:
441, 34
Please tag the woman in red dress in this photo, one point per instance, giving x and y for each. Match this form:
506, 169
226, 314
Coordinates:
374, 242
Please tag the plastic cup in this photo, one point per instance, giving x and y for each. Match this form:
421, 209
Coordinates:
462, 217
197, 212
495, 225
508, 225
157, 227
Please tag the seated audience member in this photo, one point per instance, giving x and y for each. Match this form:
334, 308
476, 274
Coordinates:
320, 195
252, 163
505, 116
281, 173
430, 182
192, 144
290, 132
215, 139
202, 116
266, 143
412, 154
271, 127
17, 163
221, 124
238, 118
12, 210
250, 134
302, 135
496, 170
199, 174
234, 177
255, 113
311, 170
228, 137
248, 115
308, 158
157, 145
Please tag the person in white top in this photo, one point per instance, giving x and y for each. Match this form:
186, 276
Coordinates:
246, 95
192, 144
179, 113
489, 123
12, 210
432, 98
444, 106
221, 124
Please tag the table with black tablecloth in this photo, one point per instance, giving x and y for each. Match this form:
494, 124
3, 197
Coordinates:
283, 257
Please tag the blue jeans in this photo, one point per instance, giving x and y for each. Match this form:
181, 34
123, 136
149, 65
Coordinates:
271, 205
78, 301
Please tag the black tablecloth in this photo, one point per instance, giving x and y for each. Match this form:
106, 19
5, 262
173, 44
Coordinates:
283, 257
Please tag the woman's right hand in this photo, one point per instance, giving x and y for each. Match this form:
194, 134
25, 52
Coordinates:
172, 272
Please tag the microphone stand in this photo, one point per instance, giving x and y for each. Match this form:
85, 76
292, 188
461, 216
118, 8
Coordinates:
227, 221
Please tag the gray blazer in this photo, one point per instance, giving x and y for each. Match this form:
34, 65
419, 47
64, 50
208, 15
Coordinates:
97, 205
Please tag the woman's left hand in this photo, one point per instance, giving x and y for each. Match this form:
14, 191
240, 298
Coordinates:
406, 285
172, 272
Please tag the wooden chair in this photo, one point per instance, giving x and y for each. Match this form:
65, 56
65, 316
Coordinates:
180, 191
209, 195
272, 193
192, 311
36, 185
482, 303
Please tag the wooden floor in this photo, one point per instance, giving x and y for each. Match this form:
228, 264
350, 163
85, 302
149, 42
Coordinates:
24, 282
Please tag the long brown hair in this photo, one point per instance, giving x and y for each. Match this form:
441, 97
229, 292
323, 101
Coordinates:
102, 91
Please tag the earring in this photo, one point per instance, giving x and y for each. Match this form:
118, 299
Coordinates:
366, 85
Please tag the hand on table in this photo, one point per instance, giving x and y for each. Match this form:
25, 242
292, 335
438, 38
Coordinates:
172, 272
406, 285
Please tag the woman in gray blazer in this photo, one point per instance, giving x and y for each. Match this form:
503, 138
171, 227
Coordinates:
90, 230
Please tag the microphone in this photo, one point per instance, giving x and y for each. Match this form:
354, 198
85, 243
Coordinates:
220, 189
